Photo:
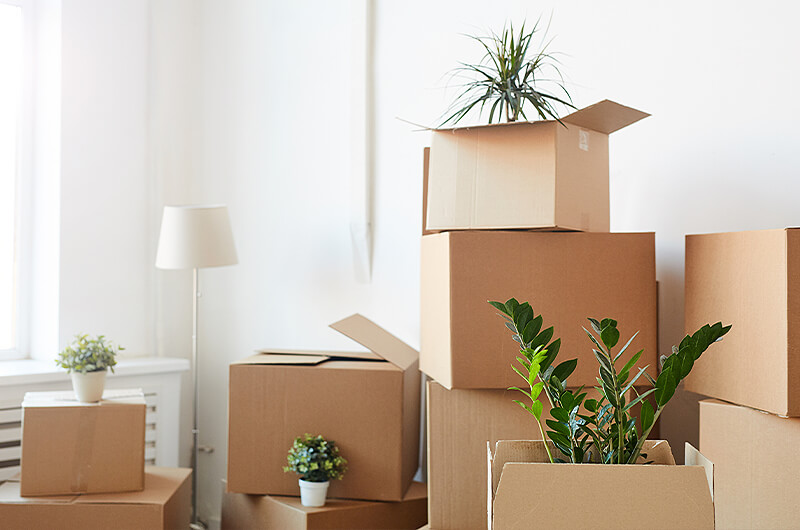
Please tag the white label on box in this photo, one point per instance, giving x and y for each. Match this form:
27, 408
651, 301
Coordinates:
583, 140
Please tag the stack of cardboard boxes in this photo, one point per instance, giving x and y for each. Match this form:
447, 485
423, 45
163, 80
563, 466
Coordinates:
485, 189
751, 430
83, 468
367, 402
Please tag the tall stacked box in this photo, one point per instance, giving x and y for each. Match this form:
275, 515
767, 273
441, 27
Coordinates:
752, 281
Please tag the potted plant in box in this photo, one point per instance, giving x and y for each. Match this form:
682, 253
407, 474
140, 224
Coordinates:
87, 360
597, 430
317, 461
509, 76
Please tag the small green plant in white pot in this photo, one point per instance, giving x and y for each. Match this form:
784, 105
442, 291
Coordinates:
317, 461
87, 359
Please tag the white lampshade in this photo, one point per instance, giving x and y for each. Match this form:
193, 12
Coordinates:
195, 237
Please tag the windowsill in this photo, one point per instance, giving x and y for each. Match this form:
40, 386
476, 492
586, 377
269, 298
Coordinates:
27, 371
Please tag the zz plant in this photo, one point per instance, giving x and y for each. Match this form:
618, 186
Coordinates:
600, 430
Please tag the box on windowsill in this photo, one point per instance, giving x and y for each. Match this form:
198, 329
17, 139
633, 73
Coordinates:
367, 402
70, 447
163, 504
540, 174
244, 512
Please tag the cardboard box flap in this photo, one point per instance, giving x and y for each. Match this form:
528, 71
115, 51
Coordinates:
533, 451
160, 483
693, 457
280, 358
377, 340
133, 396
360, 355
605, 116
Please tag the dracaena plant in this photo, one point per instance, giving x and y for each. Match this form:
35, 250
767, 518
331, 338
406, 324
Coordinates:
509, 76
605, 431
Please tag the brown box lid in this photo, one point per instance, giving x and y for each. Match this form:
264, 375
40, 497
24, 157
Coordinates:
382, 346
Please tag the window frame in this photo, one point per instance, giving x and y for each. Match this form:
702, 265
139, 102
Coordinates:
23, 188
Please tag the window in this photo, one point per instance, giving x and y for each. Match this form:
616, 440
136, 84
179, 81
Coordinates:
13, 54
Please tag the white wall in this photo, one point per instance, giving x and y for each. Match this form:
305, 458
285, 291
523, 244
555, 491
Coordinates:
248, 102
105, 188
715, 155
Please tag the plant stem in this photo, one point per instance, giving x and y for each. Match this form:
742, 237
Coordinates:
636, 452
544, 441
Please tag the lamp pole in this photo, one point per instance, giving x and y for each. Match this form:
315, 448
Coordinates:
197, 524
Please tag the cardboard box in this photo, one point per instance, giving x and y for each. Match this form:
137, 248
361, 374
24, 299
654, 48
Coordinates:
539, 174
750, 280
73, 447
660, 494
165, 503
566, 277
756, 465
367, 402
459, 423
245, 512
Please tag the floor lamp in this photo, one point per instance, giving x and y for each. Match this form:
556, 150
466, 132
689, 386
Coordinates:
195, 237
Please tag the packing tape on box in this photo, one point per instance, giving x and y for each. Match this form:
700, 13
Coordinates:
82, 463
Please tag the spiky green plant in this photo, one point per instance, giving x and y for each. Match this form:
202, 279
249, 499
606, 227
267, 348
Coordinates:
509, 75
606, 431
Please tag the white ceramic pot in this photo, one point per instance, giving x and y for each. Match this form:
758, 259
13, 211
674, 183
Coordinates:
89, 387
313, 493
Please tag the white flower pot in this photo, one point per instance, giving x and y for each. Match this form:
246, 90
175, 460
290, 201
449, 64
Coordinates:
89, 387
313, 493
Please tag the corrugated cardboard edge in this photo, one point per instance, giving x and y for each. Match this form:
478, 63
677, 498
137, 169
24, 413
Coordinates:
693, 457
605, 117
377, 340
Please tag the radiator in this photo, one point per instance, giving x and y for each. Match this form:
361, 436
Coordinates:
159, 378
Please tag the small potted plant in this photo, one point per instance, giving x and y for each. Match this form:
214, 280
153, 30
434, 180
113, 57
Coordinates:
87, 360
317, 461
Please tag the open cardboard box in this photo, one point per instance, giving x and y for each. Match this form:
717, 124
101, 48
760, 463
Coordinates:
539, 174
163, 504
752, 281
756, 465
459, 424
521, 482
367, 402
566, 277
72, 447
245, 512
